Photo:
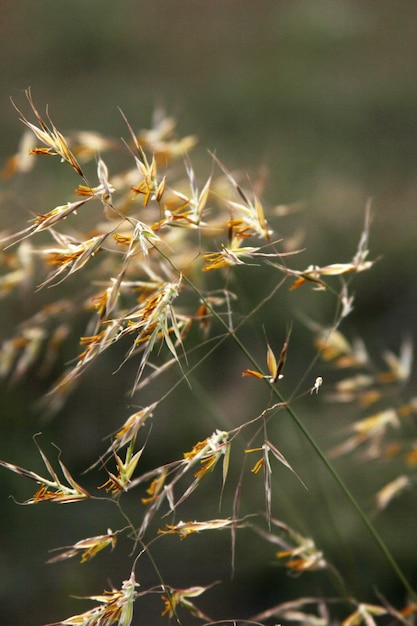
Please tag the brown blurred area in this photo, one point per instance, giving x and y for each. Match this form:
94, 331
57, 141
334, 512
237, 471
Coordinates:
322, 94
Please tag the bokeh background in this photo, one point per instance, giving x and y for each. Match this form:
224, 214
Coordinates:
322, 93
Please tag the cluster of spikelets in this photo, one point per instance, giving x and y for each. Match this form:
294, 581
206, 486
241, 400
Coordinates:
147, 263
385, 429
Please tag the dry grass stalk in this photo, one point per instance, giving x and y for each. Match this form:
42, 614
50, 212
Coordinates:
146, 273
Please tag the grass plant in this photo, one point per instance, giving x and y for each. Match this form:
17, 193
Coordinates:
160, 260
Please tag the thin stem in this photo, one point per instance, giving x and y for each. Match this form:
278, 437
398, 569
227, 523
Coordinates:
329, 466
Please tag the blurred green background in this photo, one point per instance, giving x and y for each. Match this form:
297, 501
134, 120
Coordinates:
322, 93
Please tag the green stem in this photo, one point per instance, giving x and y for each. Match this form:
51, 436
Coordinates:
333, 472
331, 469
350, 497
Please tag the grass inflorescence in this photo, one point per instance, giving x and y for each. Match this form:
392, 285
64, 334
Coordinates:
158, 273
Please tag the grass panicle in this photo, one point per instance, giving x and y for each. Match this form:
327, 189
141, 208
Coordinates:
160, 260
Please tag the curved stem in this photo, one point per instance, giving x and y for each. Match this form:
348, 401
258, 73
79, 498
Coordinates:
329, 466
